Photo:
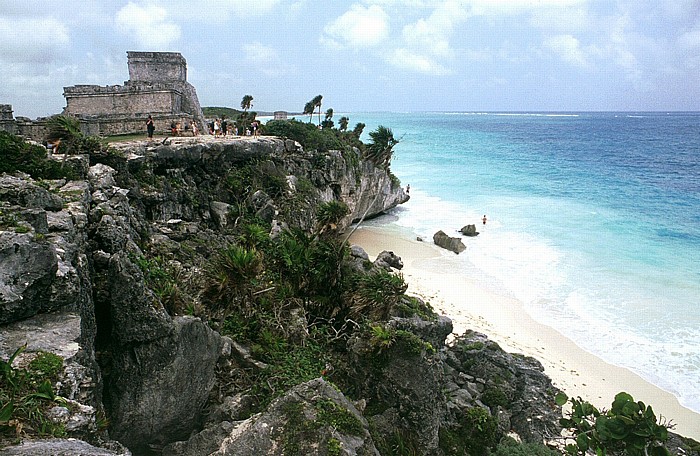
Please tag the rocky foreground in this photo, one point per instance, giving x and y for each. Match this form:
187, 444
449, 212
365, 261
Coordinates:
141, 374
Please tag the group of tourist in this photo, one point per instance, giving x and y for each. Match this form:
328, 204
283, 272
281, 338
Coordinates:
176, 128
218, 128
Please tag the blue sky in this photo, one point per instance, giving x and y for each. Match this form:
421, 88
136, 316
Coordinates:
367, 55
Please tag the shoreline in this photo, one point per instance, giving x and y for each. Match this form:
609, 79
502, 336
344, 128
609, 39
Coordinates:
504, 320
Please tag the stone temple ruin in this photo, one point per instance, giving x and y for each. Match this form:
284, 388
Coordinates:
157, 86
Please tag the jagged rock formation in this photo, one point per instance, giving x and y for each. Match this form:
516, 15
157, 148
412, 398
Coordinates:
71, 284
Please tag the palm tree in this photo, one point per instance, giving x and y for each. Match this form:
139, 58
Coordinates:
247, 102
359, 128
309, 108
380, 149
317, 102
343, 123
329, 113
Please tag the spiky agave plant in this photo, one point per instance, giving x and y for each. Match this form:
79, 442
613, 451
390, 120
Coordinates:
330, 214
377, 293
230, 279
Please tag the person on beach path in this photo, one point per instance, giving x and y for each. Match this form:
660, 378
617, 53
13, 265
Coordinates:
484, 219
150, 126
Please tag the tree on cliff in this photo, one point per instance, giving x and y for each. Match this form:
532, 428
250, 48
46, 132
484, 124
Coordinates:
380, 149
343, 123
311, 106
247, 102
328, 122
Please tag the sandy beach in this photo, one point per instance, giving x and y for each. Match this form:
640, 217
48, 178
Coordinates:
503, 319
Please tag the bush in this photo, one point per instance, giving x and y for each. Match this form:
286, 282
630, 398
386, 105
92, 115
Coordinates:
512, 448
26, 395
18, 155
308, 135
628, 428
377, 293
474, 434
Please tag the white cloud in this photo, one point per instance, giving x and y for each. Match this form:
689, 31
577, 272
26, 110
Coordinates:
32, 39
358, 28
406, 59
568, 48
149, 25
499, 7
264, 58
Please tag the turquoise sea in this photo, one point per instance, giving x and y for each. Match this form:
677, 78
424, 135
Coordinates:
593, 222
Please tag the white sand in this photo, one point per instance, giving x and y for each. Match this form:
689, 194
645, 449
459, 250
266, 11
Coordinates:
503, 319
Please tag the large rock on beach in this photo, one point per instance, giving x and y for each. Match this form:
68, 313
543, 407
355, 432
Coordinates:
452, 244
469, 230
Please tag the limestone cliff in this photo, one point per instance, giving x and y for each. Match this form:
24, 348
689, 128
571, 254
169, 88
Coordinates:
144, 371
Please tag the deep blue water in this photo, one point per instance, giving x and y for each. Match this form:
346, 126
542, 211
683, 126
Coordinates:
594, 222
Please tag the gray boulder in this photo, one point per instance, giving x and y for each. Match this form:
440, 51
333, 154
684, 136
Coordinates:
158, 390
388, 260
469, 230
452, 244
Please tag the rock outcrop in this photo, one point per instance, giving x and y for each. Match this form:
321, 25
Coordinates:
74, 282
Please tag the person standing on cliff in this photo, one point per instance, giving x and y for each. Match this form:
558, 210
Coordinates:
150, 127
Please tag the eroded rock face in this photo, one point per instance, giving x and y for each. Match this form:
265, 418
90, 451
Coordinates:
158, 388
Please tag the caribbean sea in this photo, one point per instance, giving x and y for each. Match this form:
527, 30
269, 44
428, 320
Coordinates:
593, 222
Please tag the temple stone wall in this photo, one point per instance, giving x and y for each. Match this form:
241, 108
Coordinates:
156, 66
158, 86
122, 102
7, 121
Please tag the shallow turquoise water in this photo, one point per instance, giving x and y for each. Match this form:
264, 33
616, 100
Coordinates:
594, 222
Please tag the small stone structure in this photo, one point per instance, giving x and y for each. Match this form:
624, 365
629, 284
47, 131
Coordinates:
157, 86
280, 115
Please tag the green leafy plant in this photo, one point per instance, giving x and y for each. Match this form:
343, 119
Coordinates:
377, 293
628, 428
230, 278
380, 149
330, 213
26, 394
474, 434
18, 155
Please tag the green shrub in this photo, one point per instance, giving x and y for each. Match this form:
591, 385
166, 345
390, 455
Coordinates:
331, 213
376, 294
512, 448
475, 433
628, 428
26, 395
18, 155
306, 134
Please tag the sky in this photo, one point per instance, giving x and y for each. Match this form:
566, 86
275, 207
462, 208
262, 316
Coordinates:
366, 55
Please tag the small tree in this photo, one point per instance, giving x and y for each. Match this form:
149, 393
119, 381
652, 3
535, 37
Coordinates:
628, 428
247, 102
343, 123
359, 128
380, 149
